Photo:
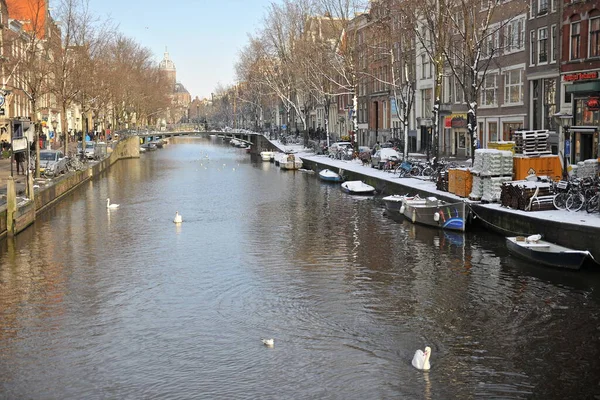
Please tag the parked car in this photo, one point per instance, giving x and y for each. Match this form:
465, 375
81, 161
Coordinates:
89, 149
340, 150
52, 162
382, 156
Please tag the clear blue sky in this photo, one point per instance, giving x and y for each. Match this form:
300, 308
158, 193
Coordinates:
203, 37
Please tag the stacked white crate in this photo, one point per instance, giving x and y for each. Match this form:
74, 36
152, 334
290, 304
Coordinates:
587, 168
490, 169
492, 187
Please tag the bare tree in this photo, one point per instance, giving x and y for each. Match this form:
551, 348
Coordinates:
30, 65
466, 39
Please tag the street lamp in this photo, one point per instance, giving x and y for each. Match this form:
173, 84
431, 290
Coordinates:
54, 126
564, 120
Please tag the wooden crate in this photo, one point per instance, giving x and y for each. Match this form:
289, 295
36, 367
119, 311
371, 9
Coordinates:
463, 182
540, 166
452, 180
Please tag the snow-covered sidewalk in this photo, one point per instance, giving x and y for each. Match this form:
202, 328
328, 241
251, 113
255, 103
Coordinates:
578, 218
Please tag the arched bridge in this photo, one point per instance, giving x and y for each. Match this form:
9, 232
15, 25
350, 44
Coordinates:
257, 141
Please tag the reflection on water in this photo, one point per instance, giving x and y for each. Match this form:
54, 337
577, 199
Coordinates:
126, 302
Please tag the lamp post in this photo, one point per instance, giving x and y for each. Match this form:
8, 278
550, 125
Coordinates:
54, 126
564, 120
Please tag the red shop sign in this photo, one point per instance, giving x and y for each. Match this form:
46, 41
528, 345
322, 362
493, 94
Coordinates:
593, 104
580, 76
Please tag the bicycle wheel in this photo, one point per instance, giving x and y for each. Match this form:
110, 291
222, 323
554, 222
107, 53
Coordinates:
415, 171
560, 201
427, 171
575, 201
592, 204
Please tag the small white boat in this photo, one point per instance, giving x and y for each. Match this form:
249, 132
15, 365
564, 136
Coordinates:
290, 162
357, 187
434, 212
328, 175
533, 248
394, 202
266, 155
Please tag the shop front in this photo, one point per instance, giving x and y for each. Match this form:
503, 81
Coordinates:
582, 136
460, 142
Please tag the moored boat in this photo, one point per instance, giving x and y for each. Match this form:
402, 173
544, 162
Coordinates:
394, 202
328, 175
290, 162
539, 251
357, 187
266, 155
434, 212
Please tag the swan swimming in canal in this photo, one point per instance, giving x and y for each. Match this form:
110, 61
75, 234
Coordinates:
421, 359
268, 342
111, 206
178, 219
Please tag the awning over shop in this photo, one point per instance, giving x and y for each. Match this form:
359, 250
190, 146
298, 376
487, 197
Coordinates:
584, 87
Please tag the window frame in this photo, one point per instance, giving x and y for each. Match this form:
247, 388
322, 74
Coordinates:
492, 88
542, 44
532, 47
508, 86
572, 36
594, 19
553, 43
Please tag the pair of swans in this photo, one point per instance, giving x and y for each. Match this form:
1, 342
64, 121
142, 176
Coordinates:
178, 219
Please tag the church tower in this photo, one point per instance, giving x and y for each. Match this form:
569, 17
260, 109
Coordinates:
167, 67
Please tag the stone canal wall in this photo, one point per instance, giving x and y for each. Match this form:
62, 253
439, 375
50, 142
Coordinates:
45, 196
506, 222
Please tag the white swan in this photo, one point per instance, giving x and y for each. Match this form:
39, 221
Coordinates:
421, 359
111, 206
178, 219
533, 238
268, 342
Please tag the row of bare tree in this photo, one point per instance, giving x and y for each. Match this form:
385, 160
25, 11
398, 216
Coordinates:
73, 62
310, 52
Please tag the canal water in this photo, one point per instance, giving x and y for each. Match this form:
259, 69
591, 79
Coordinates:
98, 303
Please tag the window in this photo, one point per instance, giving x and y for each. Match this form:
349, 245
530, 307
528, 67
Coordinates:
595, 37
509, 127
488, 92
426, 103
459, 95
492, 40
532, 8
493, 131
532, 48
513, 87
515, 31
552, 5
553, 41
575, 40
542, 7
425, 67
542, 45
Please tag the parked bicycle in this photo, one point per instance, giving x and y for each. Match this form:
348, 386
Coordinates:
407, 168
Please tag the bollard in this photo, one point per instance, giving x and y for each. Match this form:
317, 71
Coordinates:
11, 206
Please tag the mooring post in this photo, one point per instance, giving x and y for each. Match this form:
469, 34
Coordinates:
11, 206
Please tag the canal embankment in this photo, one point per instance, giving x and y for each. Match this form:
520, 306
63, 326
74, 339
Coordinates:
19, 211
576, 230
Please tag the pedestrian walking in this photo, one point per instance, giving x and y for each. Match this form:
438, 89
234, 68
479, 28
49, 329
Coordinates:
20, 162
